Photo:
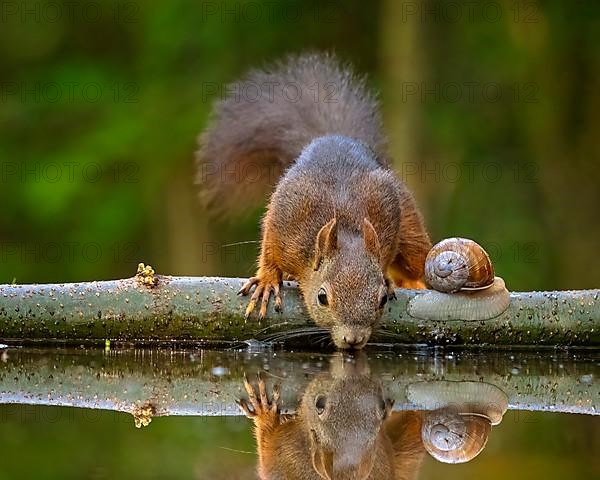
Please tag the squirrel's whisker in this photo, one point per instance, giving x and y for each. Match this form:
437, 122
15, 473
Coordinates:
239, 243
308, 331
288, 335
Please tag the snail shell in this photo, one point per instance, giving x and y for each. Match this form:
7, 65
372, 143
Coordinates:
452, 437
460, 416
458, 264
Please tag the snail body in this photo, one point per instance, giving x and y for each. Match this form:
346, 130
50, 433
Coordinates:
459, 417
480, 398
465, 287
464, 305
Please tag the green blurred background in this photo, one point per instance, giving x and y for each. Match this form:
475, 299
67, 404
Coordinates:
61, 443
492, 110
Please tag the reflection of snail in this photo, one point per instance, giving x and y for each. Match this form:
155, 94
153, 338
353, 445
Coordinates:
452, 437
462, 266
457, 430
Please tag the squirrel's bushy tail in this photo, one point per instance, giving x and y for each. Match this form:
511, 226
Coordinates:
269, 116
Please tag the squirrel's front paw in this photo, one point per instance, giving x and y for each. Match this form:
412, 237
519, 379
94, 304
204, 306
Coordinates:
260, 406
264, 289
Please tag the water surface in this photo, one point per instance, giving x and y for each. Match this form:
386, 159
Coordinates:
73, 413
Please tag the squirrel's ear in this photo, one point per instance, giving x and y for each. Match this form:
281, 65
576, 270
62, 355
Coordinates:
389, 405
326, 242
322, 460
371, 239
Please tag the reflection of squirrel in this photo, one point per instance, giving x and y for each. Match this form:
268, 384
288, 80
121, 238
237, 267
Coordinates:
339, 221
343, 430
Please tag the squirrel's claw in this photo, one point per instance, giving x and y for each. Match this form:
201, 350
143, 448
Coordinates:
278, 301
253, 299
263, 292
248, 286
245, 408
276, 398
249, 390
270, 289
262, 390
258, 398
265, 301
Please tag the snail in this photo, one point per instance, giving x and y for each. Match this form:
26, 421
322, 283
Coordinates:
465, 288
458, 427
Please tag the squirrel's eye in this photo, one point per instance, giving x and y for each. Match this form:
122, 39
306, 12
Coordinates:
322, 297
320, 402
383, 301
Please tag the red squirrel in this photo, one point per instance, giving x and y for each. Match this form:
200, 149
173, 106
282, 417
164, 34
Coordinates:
339, 221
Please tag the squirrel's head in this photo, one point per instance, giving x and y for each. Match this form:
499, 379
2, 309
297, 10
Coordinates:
343, 411
346, 291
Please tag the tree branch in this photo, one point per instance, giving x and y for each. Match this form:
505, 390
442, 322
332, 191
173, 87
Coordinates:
154, 308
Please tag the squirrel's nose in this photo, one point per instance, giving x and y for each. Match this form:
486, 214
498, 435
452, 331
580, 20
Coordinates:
351, 336
353, 340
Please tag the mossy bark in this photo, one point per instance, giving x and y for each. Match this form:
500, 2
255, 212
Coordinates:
205, 309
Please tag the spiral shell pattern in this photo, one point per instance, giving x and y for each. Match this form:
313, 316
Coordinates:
452, 437
458, 264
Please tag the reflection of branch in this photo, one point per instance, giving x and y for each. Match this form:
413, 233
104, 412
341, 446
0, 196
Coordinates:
146, 383
163, 308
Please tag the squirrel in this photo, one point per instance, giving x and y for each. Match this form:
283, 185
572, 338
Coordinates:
339, 221
343, 429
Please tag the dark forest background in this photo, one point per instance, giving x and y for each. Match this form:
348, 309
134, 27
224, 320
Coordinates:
492, 110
